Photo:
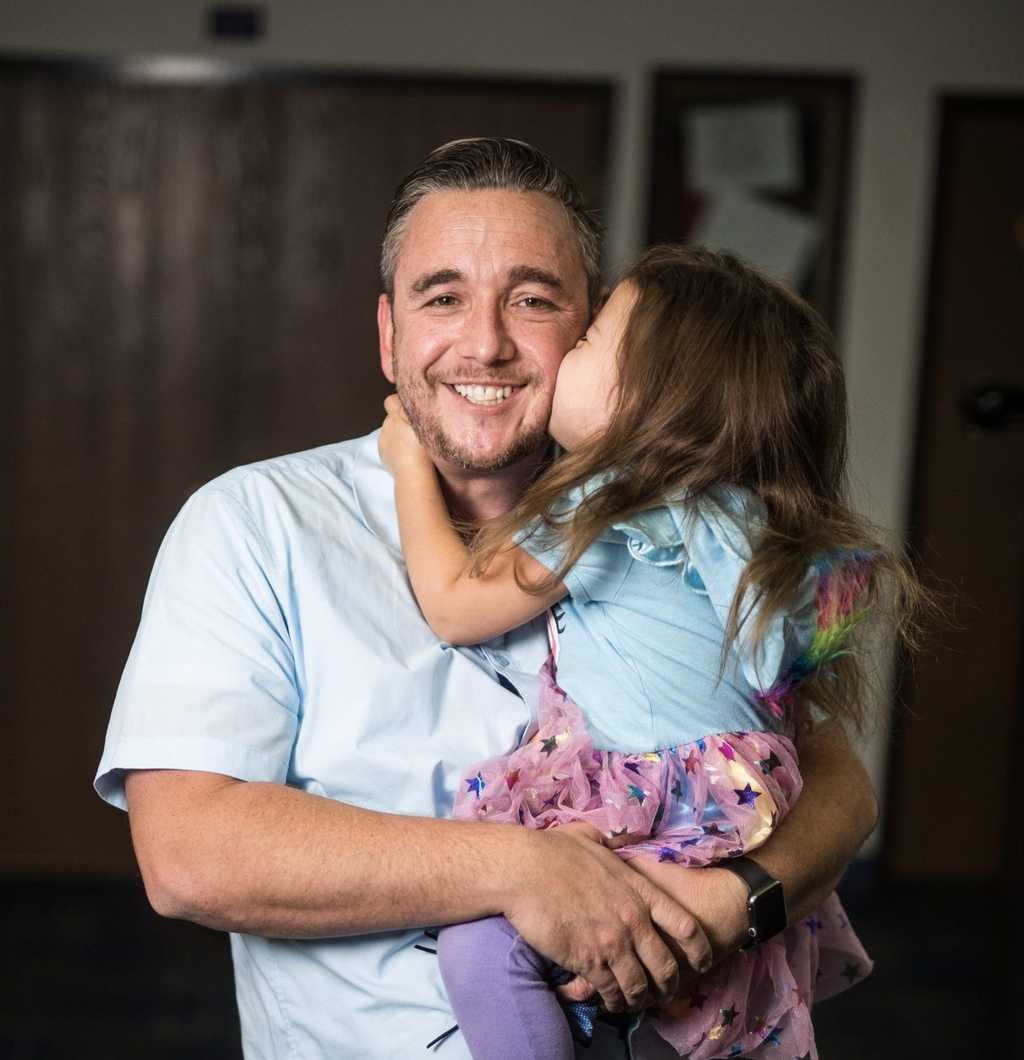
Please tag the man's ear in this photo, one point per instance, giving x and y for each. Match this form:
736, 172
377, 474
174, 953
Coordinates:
599, 303
386, 335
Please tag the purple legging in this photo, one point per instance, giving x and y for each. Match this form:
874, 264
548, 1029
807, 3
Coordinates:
498, 988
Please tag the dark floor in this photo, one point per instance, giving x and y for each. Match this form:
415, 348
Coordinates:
91, 972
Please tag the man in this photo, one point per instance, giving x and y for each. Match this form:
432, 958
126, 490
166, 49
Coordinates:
288, 731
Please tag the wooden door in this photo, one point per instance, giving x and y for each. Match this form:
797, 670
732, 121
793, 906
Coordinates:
188, 281
953, 805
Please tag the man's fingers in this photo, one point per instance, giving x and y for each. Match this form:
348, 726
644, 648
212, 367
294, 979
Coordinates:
607, 986
615, 927
684, 929
662, 967
632, 980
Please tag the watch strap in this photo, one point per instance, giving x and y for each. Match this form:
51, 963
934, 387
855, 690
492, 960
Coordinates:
748, 870
766, 907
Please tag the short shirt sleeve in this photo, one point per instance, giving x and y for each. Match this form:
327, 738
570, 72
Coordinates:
210, 682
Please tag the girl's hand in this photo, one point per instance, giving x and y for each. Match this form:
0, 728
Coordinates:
398, 445
578, 989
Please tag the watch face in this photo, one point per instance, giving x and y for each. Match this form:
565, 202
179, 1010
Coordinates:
769, 911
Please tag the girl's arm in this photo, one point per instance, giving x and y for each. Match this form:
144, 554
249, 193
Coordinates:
459, 609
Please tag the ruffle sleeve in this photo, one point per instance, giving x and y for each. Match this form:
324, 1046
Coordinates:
540, 539
710, 541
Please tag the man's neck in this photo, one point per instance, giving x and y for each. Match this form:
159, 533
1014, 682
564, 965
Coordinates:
479, 496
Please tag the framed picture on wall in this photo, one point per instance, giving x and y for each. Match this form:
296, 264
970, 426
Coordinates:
756, 164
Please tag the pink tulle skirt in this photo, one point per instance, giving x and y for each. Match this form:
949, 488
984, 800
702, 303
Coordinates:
694, 804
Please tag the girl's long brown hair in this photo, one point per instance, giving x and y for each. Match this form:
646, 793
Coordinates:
725, 377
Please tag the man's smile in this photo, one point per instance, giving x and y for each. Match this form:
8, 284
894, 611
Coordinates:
486, 394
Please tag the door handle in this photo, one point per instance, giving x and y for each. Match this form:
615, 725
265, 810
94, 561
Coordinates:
994, 407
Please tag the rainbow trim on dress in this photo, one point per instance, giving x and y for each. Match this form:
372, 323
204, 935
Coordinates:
842, 578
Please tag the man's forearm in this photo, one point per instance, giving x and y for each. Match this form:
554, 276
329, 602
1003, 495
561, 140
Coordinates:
271, 860
821, 834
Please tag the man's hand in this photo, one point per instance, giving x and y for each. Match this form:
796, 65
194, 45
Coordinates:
398, 445
716, 897
613, 932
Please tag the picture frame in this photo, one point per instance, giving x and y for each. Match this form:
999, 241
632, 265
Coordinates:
760, 152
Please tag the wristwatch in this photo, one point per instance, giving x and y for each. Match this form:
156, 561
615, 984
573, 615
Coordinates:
766, 904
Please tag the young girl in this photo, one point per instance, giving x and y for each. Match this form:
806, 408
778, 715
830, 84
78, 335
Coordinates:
695, 540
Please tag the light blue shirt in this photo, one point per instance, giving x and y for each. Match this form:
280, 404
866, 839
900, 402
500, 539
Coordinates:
280, 641
642, 631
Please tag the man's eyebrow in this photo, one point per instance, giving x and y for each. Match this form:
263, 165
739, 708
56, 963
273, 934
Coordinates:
533, 274
435, 279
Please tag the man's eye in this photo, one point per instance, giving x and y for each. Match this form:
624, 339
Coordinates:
531, 301
443, 301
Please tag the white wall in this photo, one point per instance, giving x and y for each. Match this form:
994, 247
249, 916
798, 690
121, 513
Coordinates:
904, 53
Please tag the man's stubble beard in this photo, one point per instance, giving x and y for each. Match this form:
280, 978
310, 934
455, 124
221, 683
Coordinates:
443, 448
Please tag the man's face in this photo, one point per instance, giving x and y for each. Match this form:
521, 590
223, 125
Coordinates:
489, 294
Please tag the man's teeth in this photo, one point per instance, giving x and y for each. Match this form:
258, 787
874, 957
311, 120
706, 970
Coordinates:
483, 395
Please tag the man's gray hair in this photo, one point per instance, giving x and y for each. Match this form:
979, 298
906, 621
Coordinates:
483, 163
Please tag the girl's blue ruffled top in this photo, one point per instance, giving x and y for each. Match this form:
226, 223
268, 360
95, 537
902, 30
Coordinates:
642, 629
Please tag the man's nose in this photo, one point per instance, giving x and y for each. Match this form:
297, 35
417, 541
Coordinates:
485, 336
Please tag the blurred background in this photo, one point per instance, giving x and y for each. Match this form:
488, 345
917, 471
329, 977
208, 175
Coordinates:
191, 201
